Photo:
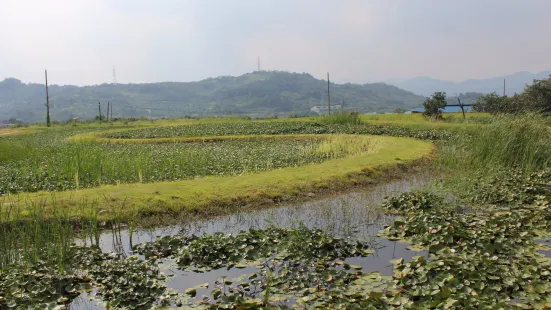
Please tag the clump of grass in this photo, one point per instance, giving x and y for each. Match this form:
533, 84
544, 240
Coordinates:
339, 146
522, 141
351, 118
34, 234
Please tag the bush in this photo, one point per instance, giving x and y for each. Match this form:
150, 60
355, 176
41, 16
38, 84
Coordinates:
434, 105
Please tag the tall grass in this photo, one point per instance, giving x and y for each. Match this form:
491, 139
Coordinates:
33, 231
342, 117
419, 118
26, 237
11, 149
522, 141
339, 146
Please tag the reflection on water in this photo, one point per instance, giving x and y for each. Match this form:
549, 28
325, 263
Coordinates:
356, 215
546, 243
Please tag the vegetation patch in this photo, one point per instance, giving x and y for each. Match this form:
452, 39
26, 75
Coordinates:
277, 128
477, 260
33, 165
206, 194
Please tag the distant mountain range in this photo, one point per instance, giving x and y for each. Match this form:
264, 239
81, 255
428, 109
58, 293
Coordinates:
514, 83
256, 94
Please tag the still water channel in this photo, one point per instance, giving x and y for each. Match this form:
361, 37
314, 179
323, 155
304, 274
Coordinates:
357, 215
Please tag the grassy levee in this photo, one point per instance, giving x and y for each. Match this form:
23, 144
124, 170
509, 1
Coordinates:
217, 195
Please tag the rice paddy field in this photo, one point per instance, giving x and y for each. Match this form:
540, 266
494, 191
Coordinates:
337, 212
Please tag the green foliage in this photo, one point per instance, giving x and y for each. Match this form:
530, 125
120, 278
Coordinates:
219, 250
536, 98
434, 105
509, 188
300, 262
40, 286
476, 259
412, 201
119, 283
494, 104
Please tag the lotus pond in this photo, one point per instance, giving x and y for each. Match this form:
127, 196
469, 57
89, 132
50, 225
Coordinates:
414, 250
427, 245
45, 162
275, 128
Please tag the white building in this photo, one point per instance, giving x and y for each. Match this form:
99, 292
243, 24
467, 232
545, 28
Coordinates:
323, 109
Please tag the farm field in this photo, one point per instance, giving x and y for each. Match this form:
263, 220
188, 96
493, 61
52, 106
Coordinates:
278, 214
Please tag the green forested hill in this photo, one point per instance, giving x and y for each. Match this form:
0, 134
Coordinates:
255, 94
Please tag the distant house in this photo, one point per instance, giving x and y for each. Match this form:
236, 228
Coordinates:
444, 110
5, 124
323, 109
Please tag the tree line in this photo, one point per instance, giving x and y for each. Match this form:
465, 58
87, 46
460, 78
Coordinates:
536, 98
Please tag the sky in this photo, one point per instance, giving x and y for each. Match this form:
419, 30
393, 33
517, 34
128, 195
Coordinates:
79, 41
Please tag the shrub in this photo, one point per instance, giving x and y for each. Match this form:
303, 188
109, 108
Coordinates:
434, 105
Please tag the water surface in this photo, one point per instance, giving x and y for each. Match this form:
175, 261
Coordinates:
356, 215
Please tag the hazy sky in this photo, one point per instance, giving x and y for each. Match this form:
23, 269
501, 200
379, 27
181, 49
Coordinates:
79, 41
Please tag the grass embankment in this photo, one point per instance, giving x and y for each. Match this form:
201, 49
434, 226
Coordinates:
216, 195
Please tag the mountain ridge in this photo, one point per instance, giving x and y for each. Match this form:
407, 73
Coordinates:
514, 83
256, 94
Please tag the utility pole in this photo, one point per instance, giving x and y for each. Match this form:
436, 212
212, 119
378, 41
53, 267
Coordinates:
99, 111
503, 87
111, 111
461, 106
328, 95
47, 100
108, 106
342, 107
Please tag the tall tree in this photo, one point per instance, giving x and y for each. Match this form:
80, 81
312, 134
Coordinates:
434, 105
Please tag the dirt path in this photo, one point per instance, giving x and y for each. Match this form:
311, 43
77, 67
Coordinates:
7, 132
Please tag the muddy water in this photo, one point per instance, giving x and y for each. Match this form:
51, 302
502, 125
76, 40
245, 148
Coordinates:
357, 215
